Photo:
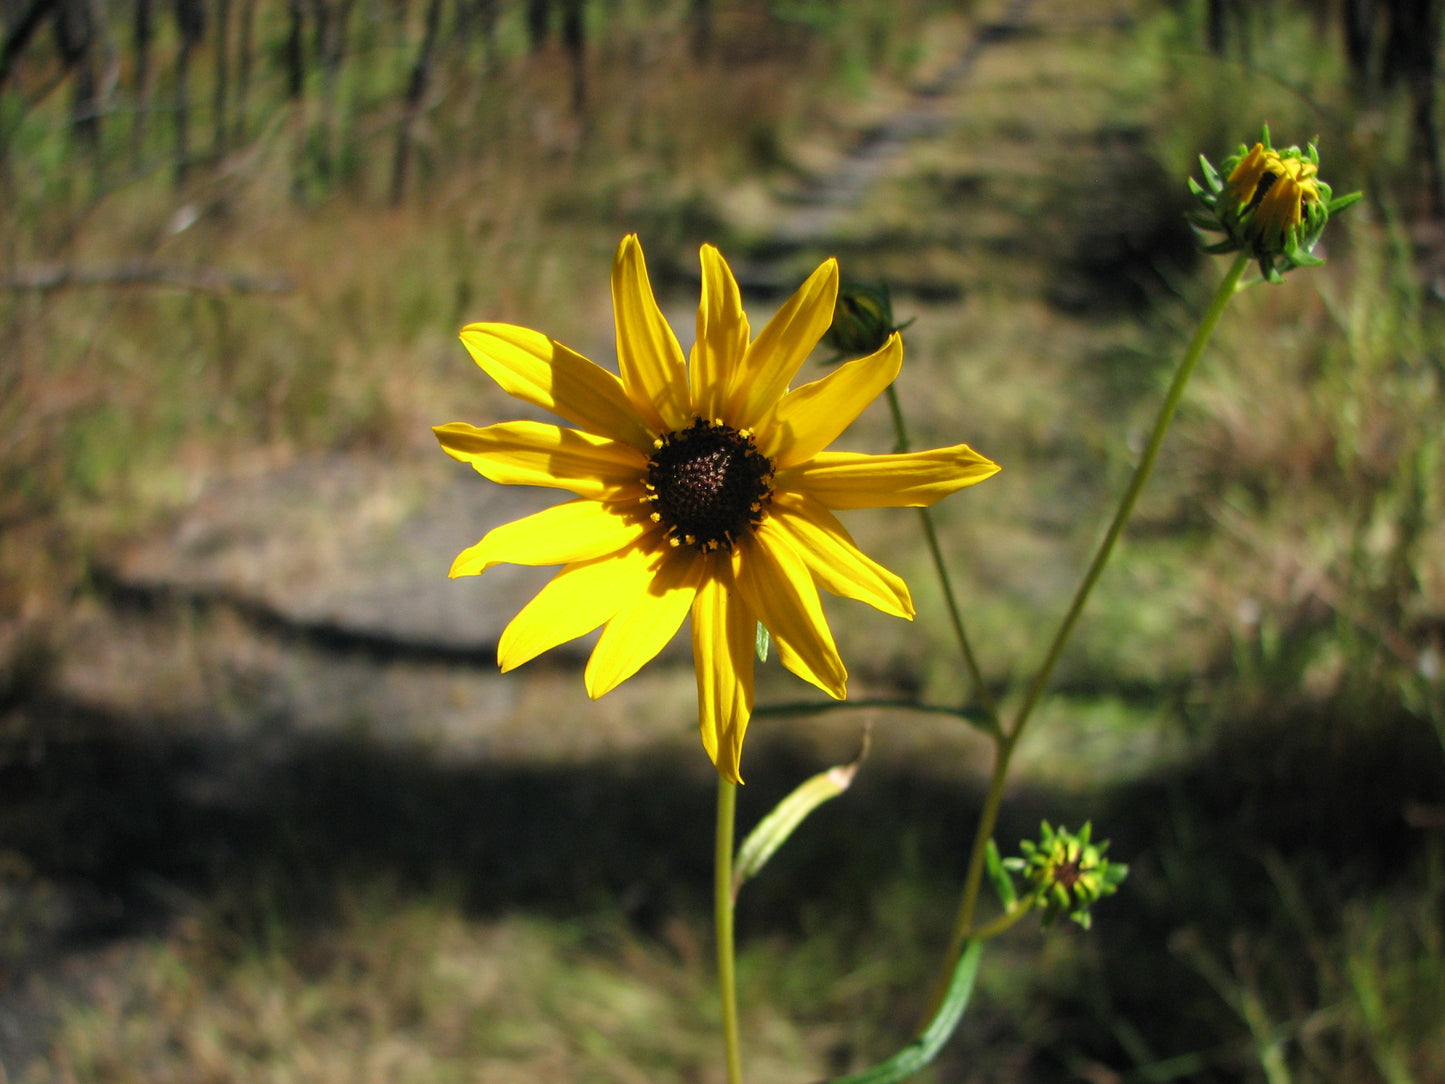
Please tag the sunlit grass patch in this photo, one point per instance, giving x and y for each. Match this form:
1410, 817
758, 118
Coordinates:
411, 990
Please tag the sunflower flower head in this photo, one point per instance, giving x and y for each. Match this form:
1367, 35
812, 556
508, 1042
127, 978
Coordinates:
1268, 202
701, 490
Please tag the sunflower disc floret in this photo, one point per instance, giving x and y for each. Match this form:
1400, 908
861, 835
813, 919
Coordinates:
708, 484
702, 489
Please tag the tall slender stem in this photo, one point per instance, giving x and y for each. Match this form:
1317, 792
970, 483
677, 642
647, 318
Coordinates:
727, 801
1006, 739
973, 879
982, 692
1227, 288
935, 551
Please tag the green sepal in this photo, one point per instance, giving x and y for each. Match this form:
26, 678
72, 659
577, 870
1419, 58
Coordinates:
1219, 248
1211, 175
1003, 884
763, 644
1343, 201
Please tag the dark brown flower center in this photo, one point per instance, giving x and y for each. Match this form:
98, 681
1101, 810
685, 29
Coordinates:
708, 484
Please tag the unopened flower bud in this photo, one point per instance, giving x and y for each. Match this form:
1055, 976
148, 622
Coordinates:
862, 319
1270, 203
1066, 872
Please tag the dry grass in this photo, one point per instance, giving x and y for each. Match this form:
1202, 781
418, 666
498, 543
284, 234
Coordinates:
407, 991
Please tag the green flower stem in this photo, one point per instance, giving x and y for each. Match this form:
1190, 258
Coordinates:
1228, 287
986, 701
1007, 740
988, 818
727, 804
786, 708
1019, 909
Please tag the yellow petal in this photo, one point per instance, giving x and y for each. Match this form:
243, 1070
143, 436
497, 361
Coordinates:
910, 479
653, 373
644, 625
833, 559
538, 454
807, 420
722, 337
724, 638
575, 601
538, 370
575, 531
776, 584
790, 659
778, 352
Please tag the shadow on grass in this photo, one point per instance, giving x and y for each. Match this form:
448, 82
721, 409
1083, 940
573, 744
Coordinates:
1255, 866
145, 819
1260, 841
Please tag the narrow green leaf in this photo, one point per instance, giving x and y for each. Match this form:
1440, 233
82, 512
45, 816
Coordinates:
925, 1048
778, 825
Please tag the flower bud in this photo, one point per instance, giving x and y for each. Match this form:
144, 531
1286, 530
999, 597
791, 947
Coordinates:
1065, 873
1269, 203
862, 319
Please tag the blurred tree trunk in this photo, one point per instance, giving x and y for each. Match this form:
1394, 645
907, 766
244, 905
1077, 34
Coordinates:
18, 37
221, 101
700, 15
245, 51
1411, 56
478, 18
421, 74
574, 39
296, 50
331, 32
143, 33
76, 37
539, 22
1358, 17
1225, 19
191, 22
1215, 31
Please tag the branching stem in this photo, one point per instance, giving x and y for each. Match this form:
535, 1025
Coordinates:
1006, 738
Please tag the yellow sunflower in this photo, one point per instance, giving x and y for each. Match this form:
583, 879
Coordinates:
702, 487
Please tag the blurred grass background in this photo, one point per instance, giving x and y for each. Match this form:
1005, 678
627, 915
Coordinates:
240, 236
